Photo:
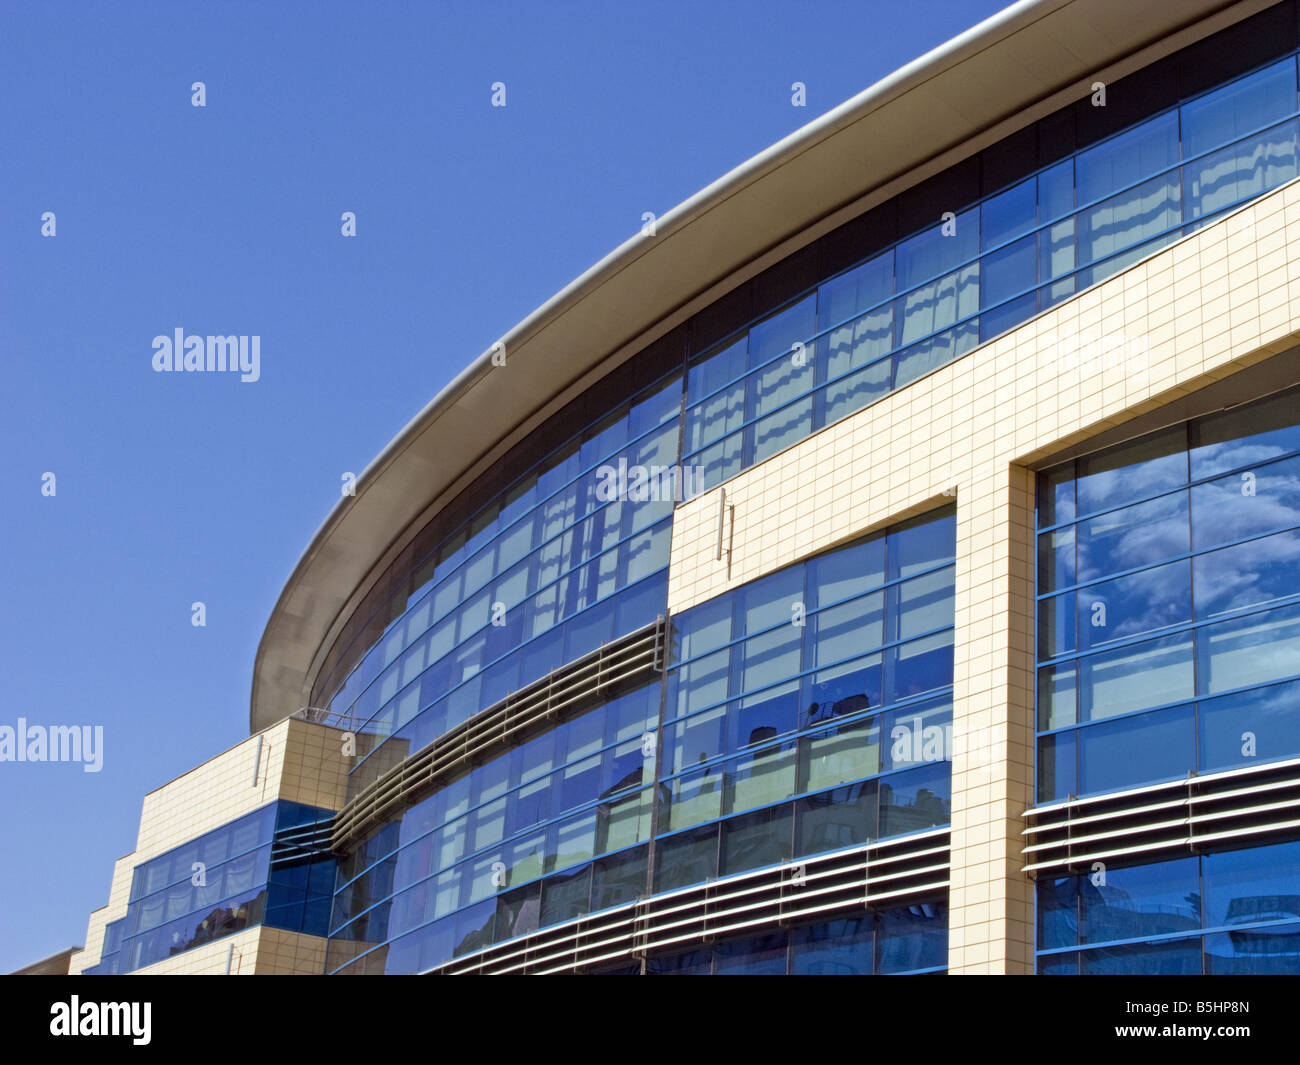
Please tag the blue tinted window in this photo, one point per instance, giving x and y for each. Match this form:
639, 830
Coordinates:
1137, 750
1247, 651
834, 948
845, 574
1142, 900
1139, 603
1008, 272
1056, 624
1058, 912
1140, 535
1241, 171
922, 544
831, 820
1056, 559
1127, 157
1262, 499
763, 955
1250, 727
692, 963
1179, 958
1246, 436
933, 252
1251, 574
1137, 470
1125, 221
1238, 108
1258, 952
1056, 191
1057, 774
915, 800
689, 857
1008, 215
912, 937
1056, 496
778, 334
1246, 886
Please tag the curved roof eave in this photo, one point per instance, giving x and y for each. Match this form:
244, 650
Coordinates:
1021, 55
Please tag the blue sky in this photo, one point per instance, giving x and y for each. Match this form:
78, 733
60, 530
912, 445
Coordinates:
225, 219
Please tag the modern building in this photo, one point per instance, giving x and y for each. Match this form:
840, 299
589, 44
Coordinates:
54, 965
889, 565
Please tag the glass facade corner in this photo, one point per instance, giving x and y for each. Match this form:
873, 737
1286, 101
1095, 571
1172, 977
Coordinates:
255, 870
1168, 646
806, 712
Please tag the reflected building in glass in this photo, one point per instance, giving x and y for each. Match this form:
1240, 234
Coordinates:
965, 638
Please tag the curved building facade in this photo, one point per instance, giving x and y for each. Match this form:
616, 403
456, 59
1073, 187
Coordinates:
892, 565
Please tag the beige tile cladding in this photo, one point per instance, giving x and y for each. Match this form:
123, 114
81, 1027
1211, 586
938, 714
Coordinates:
1215, 302
287, 953
297, 760
118, 894
258, 951
240, 951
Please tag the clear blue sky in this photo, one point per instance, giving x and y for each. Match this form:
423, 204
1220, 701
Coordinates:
176, 488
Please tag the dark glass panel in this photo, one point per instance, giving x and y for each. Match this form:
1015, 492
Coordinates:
1057, 773
565, 896
517, 912
692, 963
1182, 957
1273, 951
757, 839
847, 688
922, 543
919, 666
763, 955
687, 858
1140, 900
844, 947
912, 937
915, 800
1247, 886
618, 879
835, 819
1058, 912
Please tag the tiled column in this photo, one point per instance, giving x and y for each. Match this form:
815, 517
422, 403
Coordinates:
990, 903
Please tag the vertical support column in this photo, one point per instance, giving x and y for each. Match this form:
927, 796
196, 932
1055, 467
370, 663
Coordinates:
990, 901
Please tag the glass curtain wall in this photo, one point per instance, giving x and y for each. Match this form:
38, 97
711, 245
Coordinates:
1169, 603
831, 728
246, 873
